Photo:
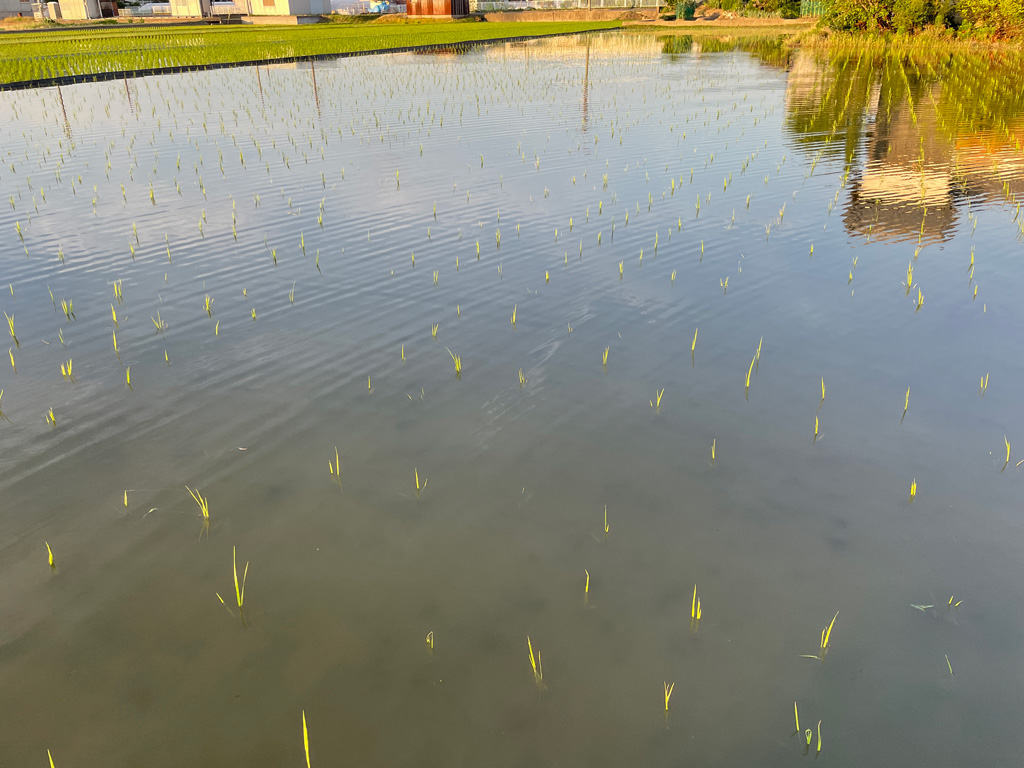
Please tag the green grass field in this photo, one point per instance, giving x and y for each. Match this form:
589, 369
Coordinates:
33, 56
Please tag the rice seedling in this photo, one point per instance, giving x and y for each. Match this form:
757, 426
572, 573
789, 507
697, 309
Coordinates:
604, 357
457, 360
656, 403
983, 386
606, 528
514, 308
823, 647
522, 378
239, 590
535, 664
586, 588
51, 419
203, 502
433, 330
335, 468
10, 352
51, 759
913, 490
668, 693
49, 554
713, 441
65, 371
949, 665
305, 738
3, 416
695, 611
906, 405
128, 377
808, 735
796, 715
1006, 440
819, 736
10, 328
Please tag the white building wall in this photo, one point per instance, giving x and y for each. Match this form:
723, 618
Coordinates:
80, 9
290, 7
190, 7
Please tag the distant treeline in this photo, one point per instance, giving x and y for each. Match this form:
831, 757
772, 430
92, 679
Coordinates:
965, 18
968, 18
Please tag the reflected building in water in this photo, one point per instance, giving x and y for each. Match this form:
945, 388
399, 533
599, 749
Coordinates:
913, 164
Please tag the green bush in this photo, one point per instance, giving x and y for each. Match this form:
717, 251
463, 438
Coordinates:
912, 15
686, 10
790, 9
947, 14
849, 15
983, 18
787, 9
1000, 18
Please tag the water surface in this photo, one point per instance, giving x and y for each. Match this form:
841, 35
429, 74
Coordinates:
335, 214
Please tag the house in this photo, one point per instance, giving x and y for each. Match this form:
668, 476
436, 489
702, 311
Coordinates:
437, 8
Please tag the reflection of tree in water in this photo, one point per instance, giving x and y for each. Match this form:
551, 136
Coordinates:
930, 131
769, 49
675, 45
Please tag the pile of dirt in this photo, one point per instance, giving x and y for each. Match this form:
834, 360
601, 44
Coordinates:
630, 16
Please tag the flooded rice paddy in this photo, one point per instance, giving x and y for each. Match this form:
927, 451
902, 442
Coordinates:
722, 315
